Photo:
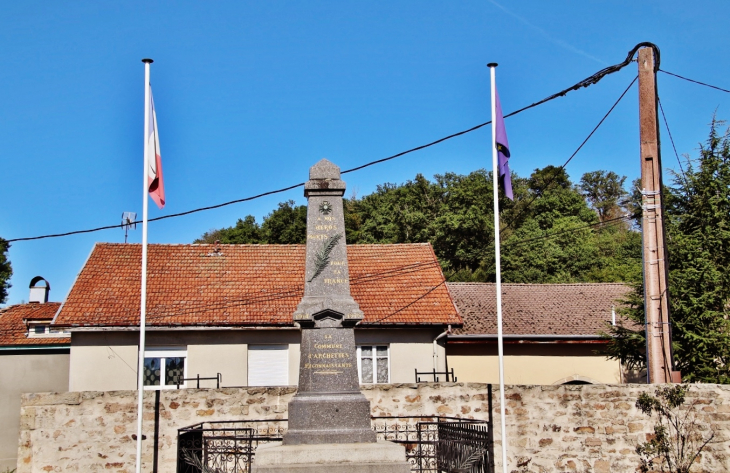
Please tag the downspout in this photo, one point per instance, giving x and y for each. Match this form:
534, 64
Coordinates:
620, 365
435, 346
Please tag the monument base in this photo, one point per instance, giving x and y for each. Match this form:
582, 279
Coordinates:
380, 457
341, 417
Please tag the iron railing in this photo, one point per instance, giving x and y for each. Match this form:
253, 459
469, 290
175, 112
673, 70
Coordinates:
432, 444
218, 379
449, 375
225, 446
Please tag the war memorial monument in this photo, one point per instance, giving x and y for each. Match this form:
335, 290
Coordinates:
329, 418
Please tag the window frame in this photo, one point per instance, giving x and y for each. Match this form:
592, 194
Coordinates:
374, 357
163, 353
46, 330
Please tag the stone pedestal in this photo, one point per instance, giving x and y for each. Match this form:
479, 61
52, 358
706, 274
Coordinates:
380, 457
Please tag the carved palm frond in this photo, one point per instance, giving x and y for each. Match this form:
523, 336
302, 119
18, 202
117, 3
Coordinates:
322, 258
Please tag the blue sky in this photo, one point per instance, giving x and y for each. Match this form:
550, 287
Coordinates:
250, 94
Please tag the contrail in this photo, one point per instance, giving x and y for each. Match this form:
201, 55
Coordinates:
547, 35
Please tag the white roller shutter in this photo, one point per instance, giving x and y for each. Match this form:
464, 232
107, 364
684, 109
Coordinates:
268, 365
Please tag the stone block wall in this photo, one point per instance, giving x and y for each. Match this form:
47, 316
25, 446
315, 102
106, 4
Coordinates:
589, 428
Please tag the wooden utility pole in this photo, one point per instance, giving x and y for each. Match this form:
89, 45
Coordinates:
656, 294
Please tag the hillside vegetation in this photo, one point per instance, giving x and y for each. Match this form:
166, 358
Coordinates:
554, 232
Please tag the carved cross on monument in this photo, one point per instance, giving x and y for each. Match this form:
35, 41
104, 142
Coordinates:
329, 407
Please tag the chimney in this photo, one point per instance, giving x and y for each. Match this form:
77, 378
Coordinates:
39, 288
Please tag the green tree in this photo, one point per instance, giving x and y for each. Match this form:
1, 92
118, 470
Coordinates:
6, 270
605, 193
463, 228
698, 228
554, 196
397, 214
454, 213
245, 231
286, 225
558, 239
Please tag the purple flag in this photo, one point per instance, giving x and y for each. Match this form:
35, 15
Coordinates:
502, 151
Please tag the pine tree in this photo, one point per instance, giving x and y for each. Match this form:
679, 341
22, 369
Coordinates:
698, 228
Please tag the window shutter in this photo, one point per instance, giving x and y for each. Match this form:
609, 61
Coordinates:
268, 365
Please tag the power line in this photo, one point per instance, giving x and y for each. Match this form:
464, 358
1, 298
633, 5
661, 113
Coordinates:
108, 227
202, 307
591, 80
695, 81
296, 291
365, 278
669, 132
410, 303
554, 175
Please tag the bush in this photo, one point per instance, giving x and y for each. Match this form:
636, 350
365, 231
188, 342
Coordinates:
678, 440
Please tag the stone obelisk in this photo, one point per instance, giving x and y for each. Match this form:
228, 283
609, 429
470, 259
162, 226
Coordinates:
329, 418
328, 407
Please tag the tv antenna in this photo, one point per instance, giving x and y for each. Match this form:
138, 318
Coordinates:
128, 222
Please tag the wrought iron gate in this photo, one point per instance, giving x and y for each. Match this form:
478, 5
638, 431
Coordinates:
433, 444
463, 447
226, 446
440, 444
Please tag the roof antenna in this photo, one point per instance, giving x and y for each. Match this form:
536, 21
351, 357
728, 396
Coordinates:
129, 220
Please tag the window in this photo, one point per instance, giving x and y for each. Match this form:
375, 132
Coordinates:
268, 365
373, 364
44, 330
164, 368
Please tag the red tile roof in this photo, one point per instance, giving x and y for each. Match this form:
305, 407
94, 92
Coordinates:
536, 309
250, 285
13, 330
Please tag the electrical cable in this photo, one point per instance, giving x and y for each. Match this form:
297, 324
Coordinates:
108, 227
355, 281
591, 80
669, 132
695, 81
365, 278
554, 176
297, 291
409, 304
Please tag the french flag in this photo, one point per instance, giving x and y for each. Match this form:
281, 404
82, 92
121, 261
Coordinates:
154, 163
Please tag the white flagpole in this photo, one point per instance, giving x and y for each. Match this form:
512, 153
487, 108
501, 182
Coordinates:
500, 346
143, 289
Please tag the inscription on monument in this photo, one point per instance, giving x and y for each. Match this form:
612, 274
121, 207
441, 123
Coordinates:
328, 358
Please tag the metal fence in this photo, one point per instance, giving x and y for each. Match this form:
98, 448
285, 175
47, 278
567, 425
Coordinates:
225, 446
432, 444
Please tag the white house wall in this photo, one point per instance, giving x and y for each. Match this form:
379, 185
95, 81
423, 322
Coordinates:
104, 361
24, 372
107, 361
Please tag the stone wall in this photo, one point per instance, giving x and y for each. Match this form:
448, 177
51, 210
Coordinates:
589, 428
